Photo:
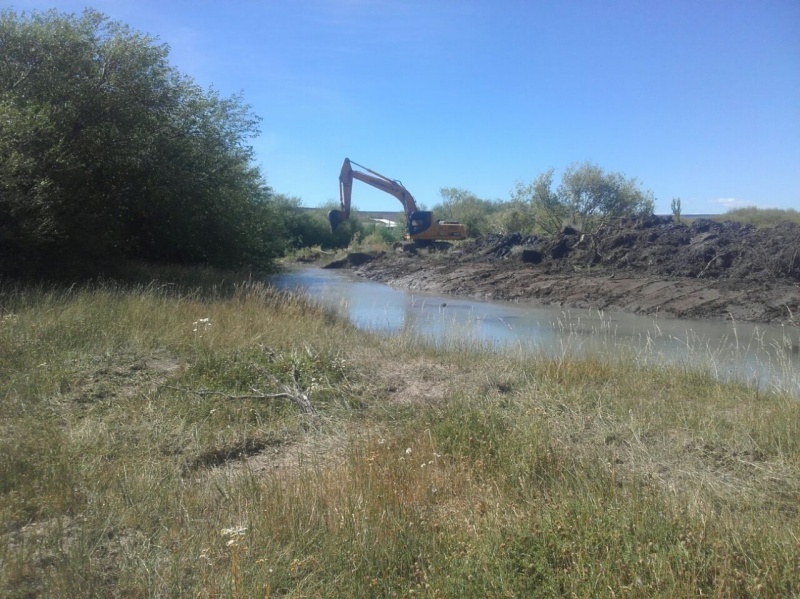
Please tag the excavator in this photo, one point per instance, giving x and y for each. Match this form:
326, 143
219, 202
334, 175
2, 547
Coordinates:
421, 227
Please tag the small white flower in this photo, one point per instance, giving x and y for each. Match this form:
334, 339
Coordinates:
235, 531
408, 451
201, 323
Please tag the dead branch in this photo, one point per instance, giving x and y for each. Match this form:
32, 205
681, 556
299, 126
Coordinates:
710, 262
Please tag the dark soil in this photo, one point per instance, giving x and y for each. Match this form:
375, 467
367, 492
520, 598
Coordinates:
707, 269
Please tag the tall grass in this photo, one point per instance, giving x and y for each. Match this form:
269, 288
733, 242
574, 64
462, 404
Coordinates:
761, 217
151, 448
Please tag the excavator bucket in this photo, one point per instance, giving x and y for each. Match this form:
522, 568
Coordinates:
335, 217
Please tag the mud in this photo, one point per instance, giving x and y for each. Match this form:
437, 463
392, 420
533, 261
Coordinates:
706, 269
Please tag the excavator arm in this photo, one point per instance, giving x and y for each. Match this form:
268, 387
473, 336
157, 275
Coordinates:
390, 186
421, 227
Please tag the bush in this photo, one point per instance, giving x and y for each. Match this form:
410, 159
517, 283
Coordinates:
585, 198
110, 153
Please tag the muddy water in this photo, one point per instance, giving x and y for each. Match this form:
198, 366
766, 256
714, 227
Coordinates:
764, 356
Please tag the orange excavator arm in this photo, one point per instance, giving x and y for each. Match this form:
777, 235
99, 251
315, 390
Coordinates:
390, 186
421, 226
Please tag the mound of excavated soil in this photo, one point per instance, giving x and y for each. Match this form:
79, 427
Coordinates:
707, 269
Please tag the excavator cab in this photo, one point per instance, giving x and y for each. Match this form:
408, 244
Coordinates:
418, 222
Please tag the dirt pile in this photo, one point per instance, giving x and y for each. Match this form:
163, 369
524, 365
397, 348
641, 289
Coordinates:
658, 247
705, 269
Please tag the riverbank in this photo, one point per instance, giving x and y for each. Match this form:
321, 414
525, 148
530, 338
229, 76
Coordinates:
703, 270
234, 441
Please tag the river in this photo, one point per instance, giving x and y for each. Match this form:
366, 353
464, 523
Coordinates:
763, 356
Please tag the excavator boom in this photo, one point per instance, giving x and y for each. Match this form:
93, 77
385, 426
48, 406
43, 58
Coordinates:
419, 223
370, 177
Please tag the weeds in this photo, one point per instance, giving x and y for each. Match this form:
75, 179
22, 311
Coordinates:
143, 455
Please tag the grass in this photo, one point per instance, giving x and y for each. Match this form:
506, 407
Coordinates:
761, 217
149, 452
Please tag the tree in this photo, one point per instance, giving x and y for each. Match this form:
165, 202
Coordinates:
345, 232
467, 208
542, 206
513, 217
304, 227
107, 152
586, 197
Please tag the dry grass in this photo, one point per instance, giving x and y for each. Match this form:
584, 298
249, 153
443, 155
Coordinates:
145, 456
761, 217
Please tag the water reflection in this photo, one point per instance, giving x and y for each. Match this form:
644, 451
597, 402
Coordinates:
761, 355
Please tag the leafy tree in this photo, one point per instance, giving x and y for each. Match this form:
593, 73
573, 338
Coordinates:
387, 235
344, 233
300, 226
107, 152
585, 198
541, 205
297, 227
467, 208
513, 216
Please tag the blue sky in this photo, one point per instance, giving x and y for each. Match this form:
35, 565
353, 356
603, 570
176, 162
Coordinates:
696, 99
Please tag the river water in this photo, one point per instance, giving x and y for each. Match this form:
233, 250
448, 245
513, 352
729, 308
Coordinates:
763, 356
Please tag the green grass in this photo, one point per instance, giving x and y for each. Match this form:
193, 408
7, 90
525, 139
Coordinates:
148, 452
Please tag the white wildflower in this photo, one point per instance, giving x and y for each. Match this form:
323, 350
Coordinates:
235, 531
201, 324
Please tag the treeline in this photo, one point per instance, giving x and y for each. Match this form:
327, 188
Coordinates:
108, 154
585, 198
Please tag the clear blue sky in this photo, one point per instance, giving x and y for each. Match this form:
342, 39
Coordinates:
697, 99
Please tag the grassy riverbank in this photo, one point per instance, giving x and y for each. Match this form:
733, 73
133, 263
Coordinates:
233, 441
